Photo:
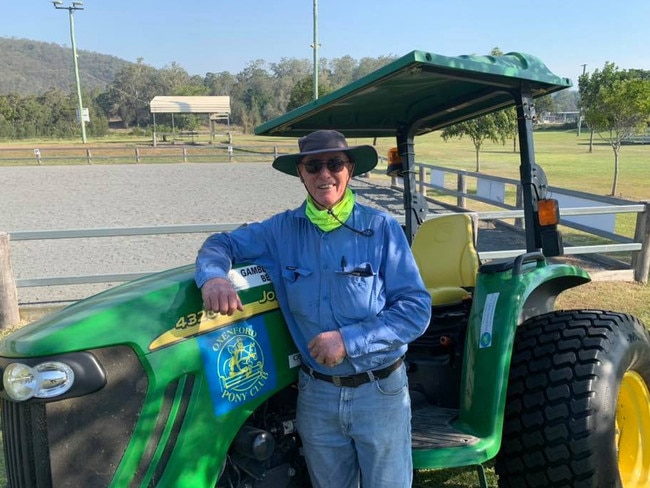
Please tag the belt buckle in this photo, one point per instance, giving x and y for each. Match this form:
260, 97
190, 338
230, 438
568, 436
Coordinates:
337, 381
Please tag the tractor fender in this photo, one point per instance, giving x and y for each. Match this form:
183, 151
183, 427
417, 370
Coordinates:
507, 293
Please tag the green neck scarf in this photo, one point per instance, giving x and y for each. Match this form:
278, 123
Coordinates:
322, 218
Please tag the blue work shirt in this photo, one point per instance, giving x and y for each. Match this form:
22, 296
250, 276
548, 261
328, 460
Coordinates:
367, 287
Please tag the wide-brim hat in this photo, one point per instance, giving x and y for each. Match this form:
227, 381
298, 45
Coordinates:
324, 141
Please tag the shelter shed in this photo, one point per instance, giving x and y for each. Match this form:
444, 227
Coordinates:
217, 108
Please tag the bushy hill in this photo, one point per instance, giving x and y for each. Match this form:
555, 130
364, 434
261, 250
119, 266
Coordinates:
31, 67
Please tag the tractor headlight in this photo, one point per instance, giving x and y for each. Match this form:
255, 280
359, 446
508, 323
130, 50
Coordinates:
51, 378
43, 380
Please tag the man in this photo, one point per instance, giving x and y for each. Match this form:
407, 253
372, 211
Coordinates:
353, 299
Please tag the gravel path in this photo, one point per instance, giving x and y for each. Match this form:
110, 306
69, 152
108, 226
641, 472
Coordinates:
101, 196
79, 197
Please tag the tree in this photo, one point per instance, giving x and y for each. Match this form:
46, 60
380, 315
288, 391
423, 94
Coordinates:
368, 65
130, 93
615, 104
545, 104
343, 69
565, 101
253, 95
286, 74
219, 84
496, 127
303, 92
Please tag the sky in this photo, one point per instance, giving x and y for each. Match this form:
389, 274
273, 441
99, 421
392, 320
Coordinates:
203, 36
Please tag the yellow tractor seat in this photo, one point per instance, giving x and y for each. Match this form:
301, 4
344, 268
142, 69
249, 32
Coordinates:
445, 251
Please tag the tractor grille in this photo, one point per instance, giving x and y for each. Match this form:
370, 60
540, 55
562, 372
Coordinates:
76, 441
27, 456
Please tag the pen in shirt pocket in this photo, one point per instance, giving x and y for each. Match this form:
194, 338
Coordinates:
364, 269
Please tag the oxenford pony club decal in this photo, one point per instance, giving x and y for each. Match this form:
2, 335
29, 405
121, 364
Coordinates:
235, 360
240, 364
237, 356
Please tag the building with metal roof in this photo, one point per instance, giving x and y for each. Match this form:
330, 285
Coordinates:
217, 108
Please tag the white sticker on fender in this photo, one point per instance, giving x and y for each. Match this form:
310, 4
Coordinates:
487, 322
248, 277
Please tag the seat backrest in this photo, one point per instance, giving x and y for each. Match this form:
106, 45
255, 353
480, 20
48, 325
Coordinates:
445, 250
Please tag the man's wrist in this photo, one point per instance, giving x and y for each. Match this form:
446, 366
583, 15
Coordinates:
201, 278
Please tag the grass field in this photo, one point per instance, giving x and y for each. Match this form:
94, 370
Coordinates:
567, 162
564, 156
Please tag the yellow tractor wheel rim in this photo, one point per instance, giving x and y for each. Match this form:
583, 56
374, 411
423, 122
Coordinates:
633, 431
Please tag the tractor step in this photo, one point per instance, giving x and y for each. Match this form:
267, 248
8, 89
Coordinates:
432, 429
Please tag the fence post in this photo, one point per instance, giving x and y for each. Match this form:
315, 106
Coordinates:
89, 156
461, 187
641, 259
230, 154
137, 155
519, 203
9, 313
184, 154
275, 152
422, 175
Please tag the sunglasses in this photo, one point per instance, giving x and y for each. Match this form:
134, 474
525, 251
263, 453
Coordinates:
334, 165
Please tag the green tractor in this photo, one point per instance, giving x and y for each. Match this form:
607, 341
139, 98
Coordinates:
138, 386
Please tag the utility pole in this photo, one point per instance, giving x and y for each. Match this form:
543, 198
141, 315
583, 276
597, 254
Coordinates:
82, 116
315, 46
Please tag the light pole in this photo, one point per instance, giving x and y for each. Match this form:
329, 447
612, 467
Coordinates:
315, 46
58, 4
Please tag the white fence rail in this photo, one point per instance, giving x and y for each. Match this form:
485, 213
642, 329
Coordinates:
639, 245
576, 208
640, 209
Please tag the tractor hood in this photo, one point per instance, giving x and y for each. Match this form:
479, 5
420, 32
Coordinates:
142, 310
147, 314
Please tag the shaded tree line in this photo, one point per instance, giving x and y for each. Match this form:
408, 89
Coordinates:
258, 93
50, 115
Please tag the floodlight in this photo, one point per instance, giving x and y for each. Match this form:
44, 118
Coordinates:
71, 8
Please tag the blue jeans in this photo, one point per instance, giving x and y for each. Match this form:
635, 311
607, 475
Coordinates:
353, 435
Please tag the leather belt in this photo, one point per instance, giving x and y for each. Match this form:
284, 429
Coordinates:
354, 380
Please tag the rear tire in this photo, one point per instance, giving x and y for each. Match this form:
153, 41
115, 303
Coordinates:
578, 404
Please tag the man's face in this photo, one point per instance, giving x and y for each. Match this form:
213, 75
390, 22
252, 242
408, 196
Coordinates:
326, 177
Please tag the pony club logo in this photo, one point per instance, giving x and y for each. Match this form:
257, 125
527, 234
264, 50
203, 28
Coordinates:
239, 364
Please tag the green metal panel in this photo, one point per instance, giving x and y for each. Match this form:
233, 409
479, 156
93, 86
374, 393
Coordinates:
501, 302
143, 307
161, 318
435, 90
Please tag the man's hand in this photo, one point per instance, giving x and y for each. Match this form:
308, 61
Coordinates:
220, 296
327, 348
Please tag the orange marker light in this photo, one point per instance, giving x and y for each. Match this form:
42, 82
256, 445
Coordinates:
548, 212
393, 156
394, 167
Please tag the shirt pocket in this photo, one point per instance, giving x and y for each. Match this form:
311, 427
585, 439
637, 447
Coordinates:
301, 294
354, 292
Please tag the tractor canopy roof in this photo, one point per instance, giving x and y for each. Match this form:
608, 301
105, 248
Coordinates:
422, 91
